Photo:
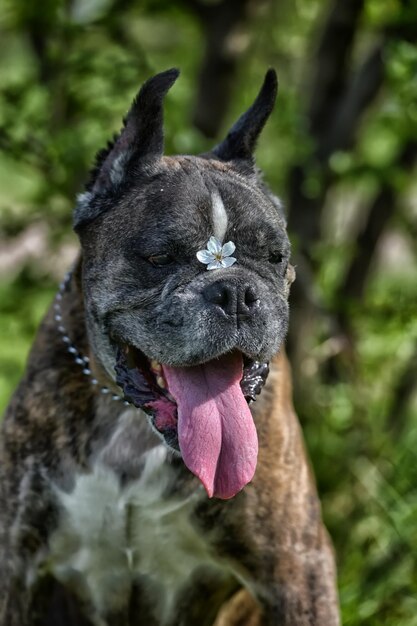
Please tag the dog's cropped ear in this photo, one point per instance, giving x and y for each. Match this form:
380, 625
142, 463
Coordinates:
241, 140
141, 138
142, 135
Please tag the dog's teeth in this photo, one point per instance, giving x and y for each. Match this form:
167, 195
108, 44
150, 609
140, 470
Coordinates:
160, 381
156, 366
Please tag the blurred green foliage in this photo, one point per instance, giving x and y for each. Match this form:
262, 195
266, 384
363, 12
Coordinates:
67, 76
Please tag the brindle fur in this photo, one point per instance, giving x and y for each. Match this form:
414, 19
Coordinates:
270, 535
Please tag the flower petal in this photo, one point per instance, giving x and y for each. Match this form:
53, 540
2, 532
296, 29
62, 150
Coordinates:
228, 248
228, 261
205, 256
216, 265
214, 245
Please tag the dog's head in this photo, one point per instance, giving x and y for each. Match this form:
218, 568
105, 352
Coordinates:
189, 343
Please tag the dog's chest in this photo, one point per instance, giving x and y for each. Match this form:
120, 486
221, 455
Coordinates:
110, 538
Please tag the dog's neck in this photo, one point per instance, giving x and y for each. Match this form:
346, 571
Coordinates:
83, 357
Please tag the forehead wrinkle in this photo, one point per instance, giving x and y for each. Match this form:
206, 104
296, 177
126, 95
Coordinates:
219, 216
239, 181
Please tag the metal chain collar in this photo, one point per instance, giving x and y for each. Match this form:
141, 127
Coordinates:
82, 361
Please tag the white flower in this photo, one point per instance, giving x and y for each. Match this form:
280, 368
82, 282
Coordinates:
217, 256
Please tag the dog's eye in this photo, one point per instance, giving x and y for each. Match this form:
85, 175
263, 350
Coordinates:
159, 260
275, 257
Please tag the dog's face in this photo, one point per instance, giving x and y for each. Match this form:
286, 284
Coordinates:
186, 342
145, 286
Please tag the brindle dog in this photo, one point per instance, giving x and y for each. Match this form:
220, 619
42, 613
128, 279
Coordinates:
137, 486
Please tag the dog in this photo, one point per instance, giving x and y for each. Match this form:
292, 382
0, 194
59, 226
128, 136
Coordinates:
137, 484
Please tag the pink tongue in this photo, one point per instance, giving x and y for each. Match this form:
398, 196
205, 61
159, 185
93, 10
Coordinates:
217, 436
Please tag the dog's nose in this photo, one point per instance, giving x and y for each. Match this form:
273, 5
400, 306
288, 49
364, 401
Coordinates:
240, 300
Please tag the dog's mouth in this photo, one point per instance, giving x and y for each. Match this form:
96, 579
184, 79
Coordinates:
201, 411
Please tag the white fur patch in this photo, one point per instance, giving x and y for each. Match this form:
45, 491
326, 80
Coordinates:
117, 170
108, 535
219, 216
82, 206
83, 199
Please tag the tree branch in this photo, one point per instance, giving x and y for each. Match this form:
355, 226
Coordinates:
362, 90
332, 60
402, 393
382, 209
220, 22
